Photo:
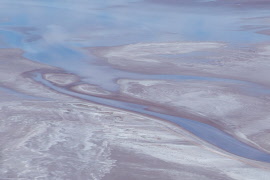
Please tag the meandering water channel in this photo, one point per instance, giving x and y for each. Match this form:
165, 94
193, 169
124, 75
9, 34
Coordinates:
53, 32
202, 130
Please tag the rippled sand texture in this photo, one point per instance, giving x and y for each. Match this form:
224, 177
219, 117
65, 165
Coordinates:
95, 90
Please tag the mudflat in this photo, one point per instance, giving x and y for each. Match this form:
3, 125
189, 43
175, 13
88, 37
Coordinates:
62, 137
113, 91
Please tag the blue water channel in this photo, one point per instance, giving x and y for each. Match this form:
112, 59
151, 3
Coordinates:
54, 31
204, 131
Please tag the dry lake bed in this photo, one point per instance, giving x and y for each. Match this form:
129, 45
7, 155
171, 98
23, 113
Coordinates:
134, 90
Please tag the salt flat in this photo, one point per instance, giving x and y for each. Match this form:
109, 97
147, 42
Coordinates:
68, 138
138, 90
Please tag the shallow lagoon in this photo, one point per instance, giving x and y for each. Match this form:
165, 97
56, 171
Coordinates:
53, 32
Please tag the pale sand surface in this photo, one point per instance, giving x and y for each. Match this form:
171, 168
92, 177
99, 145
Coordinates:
68, 138
61, 79
244, 115
184, 61
240, 108
90, 89
208, 59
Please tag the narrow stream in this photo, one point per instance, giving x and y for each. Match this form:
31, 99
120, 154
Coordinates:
204, 131
53, 32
